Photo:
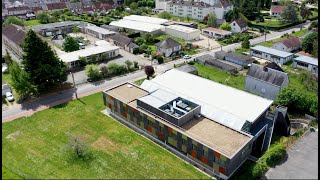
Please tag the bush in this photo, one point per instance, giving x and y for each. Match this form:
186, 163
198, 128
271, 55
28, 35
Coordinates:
116, 69
160, 59
135, 64
274, 155
191, 62
104, 71
92, 72
83, 61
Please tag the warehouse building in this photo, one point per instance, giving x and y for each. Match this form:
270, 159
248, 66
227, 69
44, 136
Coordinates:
183, 32
137, 26
273, 55
98, 32
195, 120
102, 52
146, 19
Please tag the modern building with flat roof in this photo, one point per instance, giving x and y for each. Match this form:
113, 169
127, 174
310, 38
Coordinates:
306, 63
98, 32
273, 55
195, 120
146, 19
63, 27
138, 26
101, 52
183, 32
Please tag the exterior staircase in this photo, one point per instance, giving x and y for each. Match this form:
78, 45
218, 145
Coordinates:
270, 121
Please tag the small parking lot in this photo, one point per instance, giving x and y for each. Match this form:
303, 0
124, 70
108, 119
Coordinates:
302, 161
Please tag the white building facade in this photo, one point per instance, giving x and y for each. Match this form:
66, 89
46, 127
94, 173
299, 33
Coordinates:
183, 32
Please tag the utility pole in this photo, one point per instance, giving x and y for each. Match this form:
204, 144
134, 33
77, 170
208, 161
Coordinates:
74, 84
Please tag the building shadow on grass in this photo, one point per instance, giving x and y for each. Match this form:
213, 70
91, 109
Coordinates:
57, 99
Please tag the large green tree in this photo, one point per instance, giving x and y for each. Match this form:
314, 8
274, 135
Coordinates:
165, 15
308, 41
70, 44
43, 17
41, 63
14, 20
245, 43
20, 80
315, 48
289, 14
212, 20
304, 11
249, 9
225, 26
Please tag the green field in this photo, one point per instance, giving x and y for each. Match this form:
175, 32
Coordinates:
32, 23
236, 81
36, 147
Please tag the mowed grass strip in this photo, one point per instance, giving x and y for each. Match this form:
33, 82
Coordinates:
235, 81
36, 147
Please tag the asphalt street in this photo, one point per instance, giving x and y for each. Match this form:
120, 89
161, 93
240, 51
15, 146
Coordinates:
48, 101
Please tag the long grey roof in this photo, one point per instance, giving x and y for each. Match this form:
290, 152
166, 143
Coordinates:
187, 68
56, 25
308, 60
267, 74
275, 52
205, 57
233, 55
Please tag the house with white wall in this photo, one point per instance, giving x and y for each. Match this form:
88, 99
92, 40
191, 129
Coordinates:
306, 63
168, 46
273, 55
276, 11
288, 45
239, 26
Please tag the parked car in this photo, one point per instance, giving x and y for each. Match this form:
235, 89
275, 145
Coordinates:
82, 46
9, 96
186, 57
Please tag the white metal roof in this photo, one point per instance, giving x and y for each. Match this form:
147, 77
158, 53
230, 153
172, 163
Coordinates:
183, 28
152, 101
74, 56
146, 19
99, 30
101, 43
137, 25
223, 104
307, 59
272, 51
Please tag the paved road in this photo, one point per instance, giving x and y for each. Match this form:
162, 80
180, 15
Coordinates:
45, 102
302, 161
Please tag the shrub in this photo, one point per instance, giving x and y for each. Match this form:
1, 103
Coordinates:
191, 62
82, 61
160, 59
274, 155
135, 64
116, 69
128, 64
92, 72
104, 71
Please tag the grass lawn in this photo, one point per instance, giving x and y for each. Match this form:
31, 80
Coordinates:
241, 50
139, 82
271, 23
235, 81
271, 42
165, 36
36, 147
32, 22
8, 174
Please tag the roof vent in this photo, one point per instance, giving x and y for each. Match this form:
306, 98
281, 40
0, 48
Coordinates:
129, 86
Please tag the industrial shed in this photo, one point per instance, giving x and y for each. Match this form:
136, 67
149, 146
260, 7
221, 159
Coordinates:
137, 26
183, 32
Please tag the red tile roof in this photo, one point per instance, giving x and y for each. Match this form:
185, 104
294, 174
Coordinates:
59, 5
304, 53
19, 8
101, 6
291, 42
277, 9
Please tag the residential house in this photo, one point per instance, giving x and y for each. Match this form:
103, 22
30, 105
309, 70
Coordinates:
12, 37
123, 41
74, 7
234, 57
56, 6
37, 9
221, 8
215, 33
265, 82
5, 88
168, 47
288, 45
239, 26
188, 69
19, 11
306, 63
273, 55
34, 3
276, 11
103, 6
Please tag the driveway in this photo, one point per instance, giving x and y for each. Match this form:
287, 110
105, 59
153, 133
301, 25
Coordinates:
206, 42
302, 160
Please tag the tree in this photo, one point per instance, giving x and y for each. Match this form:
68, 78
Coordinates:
149, 38
285, 2
43, 17
135, 64
289, 14
56, 14
235, 13
41, 63
127, 2
268, 4
249, 9
165, 15
160, 59
149, 71
225, 26
245, 43
7, 58
212, 20
70, 44
13, 20
133, 5
104, 71
315, 48
75, 30
78, 146
82, 61
128, 64
116, 69
92, 71
307, 42
304, 11
20, 80
139, 40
